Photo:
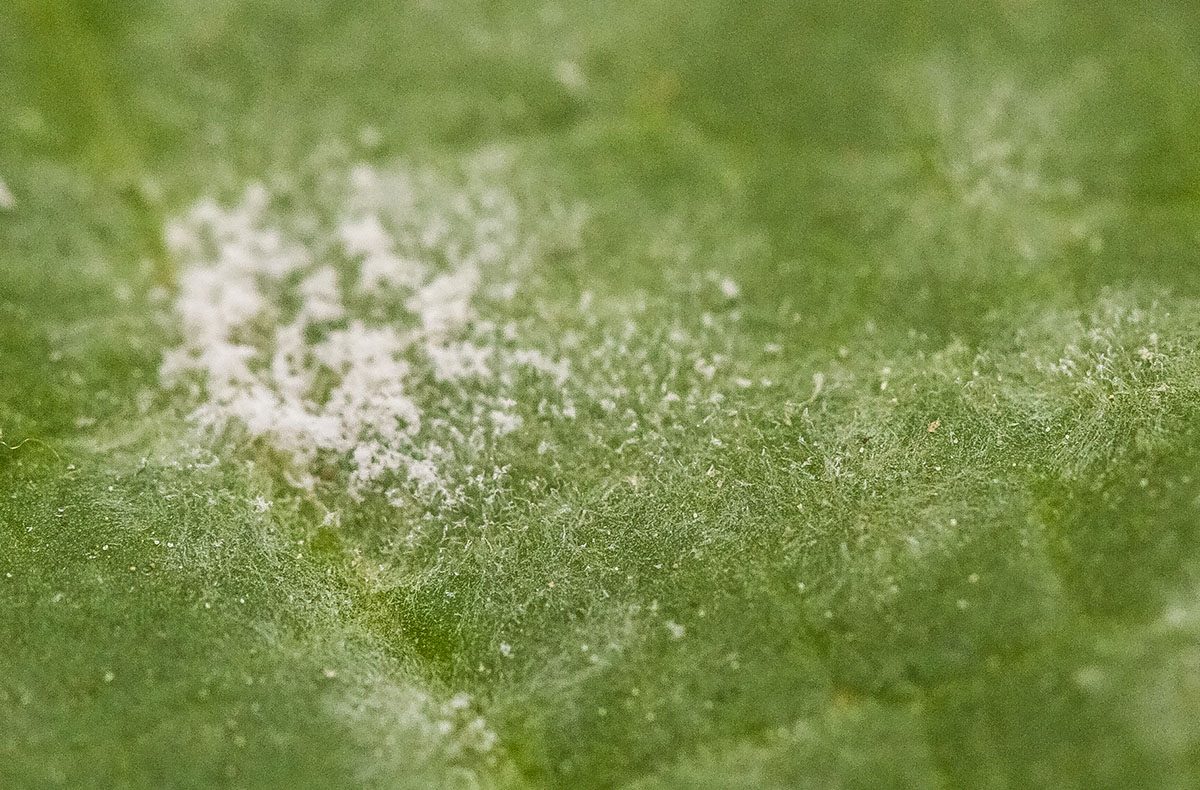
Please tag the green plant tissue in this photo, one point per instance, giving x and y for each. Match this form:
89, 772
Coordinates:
611, 395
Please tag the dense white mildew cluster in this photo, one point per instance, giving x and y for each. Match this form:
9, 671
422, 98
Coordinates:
329, 339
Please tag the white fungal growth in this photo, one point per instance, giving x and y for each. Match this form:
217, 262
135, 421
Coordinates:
536, 360
320, 348
458, 360
444, 305
322, 296
1007, 160
7, 201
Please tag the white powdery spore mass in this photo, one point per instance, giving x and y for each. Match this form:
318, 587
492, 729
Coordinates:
7, 201
289, 340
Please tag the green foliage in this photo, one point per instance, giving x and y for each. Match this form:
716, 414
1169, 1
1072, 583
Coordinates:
922, 512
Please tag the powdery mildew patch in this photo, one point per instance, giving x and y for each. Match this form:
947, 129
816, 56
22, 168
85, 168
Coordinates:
7, 201
337, 345
998, 171
411, 732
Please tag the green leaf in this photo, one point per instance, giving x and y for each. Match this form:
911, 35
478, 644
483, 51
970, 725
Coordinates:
603, 396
